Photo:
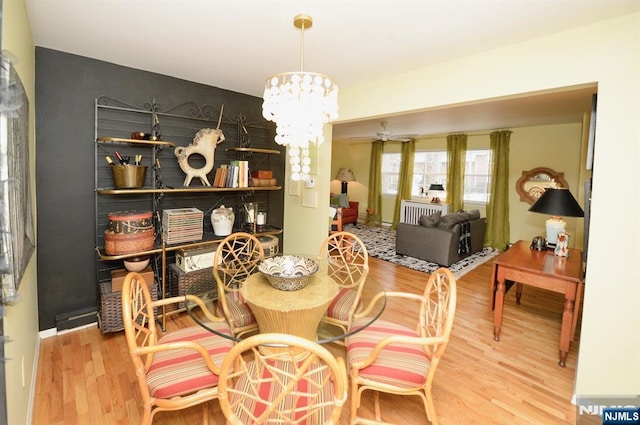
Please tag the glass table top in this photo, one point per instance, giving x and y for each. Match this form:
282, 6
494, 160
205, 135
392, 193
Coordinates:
297, 312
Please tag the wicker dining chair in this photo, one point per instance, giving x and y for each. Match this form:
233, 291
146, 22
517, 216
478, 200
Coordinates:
347, 262
176, 370
393, 358
274, 378
236, 258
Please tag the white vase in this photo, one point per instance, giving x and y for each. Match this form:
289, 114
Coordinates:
222, 220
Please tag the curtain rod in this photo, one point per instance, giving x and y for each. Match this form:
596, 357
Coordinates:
433, 136
468, 133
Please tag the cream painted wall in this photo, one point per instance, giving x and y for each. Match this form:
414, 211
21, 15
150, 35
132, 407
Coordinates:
306, 227
607, 53
556, 147
21, 319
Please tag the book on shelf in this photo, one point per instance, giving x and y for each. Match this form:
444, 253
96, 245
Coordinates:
232, 175
240, 173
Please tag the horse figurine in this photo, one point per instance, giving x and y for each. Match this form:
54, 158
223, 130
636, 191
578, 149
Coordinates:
204, 143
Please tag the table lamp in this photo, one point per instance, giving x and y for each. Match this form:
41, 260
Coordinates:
558, 203
436, 188
345, 175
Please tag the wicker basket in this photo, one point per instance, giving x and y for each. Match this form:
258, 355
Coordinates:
196, 282
128, 243
110, 307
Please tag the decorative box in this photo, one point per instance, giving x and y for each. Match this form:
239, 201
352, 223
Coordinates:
181, 225
256, 182
189, 260
117, 277
130, 221
128, 243
262, 174
270, 244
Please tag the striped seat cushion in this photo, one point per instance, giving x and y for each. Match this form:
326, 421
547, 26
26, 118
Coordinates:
179, 372
296, 404
400, 365
241, 314
341, 304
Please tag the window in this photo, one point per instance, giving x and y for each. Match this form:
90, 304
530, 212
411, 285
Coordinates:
477, 176
431, 167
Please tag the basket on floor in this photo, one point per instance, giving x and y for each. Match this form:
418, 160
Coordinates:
110, 307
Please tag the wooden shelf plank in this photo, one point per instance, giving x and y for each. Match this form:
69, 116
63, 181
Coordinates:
135, 141
114, 191
254, 150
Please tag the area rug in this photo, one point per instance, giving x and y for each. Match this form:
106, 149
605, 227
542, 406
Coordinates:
381, 243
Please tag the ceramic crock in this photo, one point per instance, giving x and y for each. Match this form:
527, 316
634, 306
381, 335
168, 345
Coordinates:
222, 220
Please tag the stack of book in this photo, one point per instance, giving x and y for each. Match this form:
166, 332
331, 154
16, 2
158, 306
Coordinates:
182, 225
234, 174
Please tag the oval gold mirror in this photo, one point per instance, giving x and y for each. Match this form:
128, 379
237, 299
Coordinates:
534, 182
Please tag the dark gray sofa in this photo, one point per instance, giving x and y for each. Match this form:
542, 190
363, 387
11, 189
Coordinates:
439, 243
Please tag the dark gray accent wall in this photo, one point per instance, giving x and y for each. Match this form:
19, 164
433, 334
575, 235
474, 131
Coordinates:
66, 88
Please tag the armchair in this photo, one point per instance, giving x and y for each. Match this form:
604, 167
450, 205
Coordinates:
393, 358
350, 215
347, 209
176, 370
282, 379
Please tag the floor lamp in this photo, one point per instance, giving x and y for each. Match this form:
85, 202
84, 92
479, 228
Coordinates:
345, 175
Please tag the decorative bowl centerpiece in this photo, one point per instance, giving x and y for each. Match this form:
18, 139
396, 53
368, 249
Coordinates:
288, 272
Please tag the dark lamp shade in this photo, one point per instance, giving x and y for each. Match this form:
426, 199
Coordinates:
345, 175
557, 202
436, 187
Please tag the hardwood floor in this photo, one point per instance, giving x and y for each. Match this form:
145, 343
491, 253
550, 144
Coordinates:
85, 377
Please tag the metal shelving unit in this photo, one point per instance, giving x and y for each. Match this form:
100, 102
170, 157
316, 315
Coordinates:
115, 124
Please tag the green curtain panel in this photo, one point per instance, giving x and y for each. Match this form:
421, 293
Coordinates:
456, 160
405, 180
374, 201
497, 234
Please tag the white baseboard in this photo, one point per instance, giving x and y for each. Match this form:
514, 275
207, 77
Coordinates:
48, 333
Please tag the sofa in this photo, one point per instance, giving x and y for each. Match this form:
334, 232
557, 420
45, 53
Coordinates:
437, 238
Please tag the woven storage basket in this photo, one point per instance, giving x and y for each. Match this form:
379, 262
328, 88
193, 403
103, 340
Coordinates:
128, 243
196, 282
110, 307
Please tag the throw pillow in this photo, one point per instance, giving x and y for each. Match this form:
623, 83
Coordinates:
339, 200
450, 220
473, 214
430, 220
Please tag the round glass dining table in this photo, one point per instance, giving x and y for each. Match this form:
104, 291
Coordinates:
298, 312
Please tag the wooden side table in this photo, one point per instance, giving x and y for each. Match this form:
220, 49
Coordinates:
542, 269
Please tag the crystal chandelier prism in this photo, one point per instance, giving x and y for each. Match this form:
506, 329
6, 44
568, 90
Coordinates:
300, 103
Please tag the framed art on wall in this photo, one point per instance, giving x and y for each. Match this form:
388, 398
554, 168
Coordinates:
17, 241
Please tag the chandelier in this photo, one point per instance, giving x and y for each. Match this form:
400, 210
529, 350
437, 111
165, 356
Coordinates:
300, 103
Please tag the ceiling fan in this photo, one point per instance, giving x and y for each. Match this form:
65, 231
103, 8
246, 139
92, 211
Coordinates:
385, 135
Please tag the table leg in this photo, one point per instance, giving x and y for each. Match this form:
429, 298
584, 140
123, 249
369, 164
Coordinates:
494, 287
518, 292
576, 310
567, 321
499, 304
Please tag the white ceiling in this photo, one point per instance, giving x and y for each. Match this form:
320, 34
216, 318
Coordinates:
236, 44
